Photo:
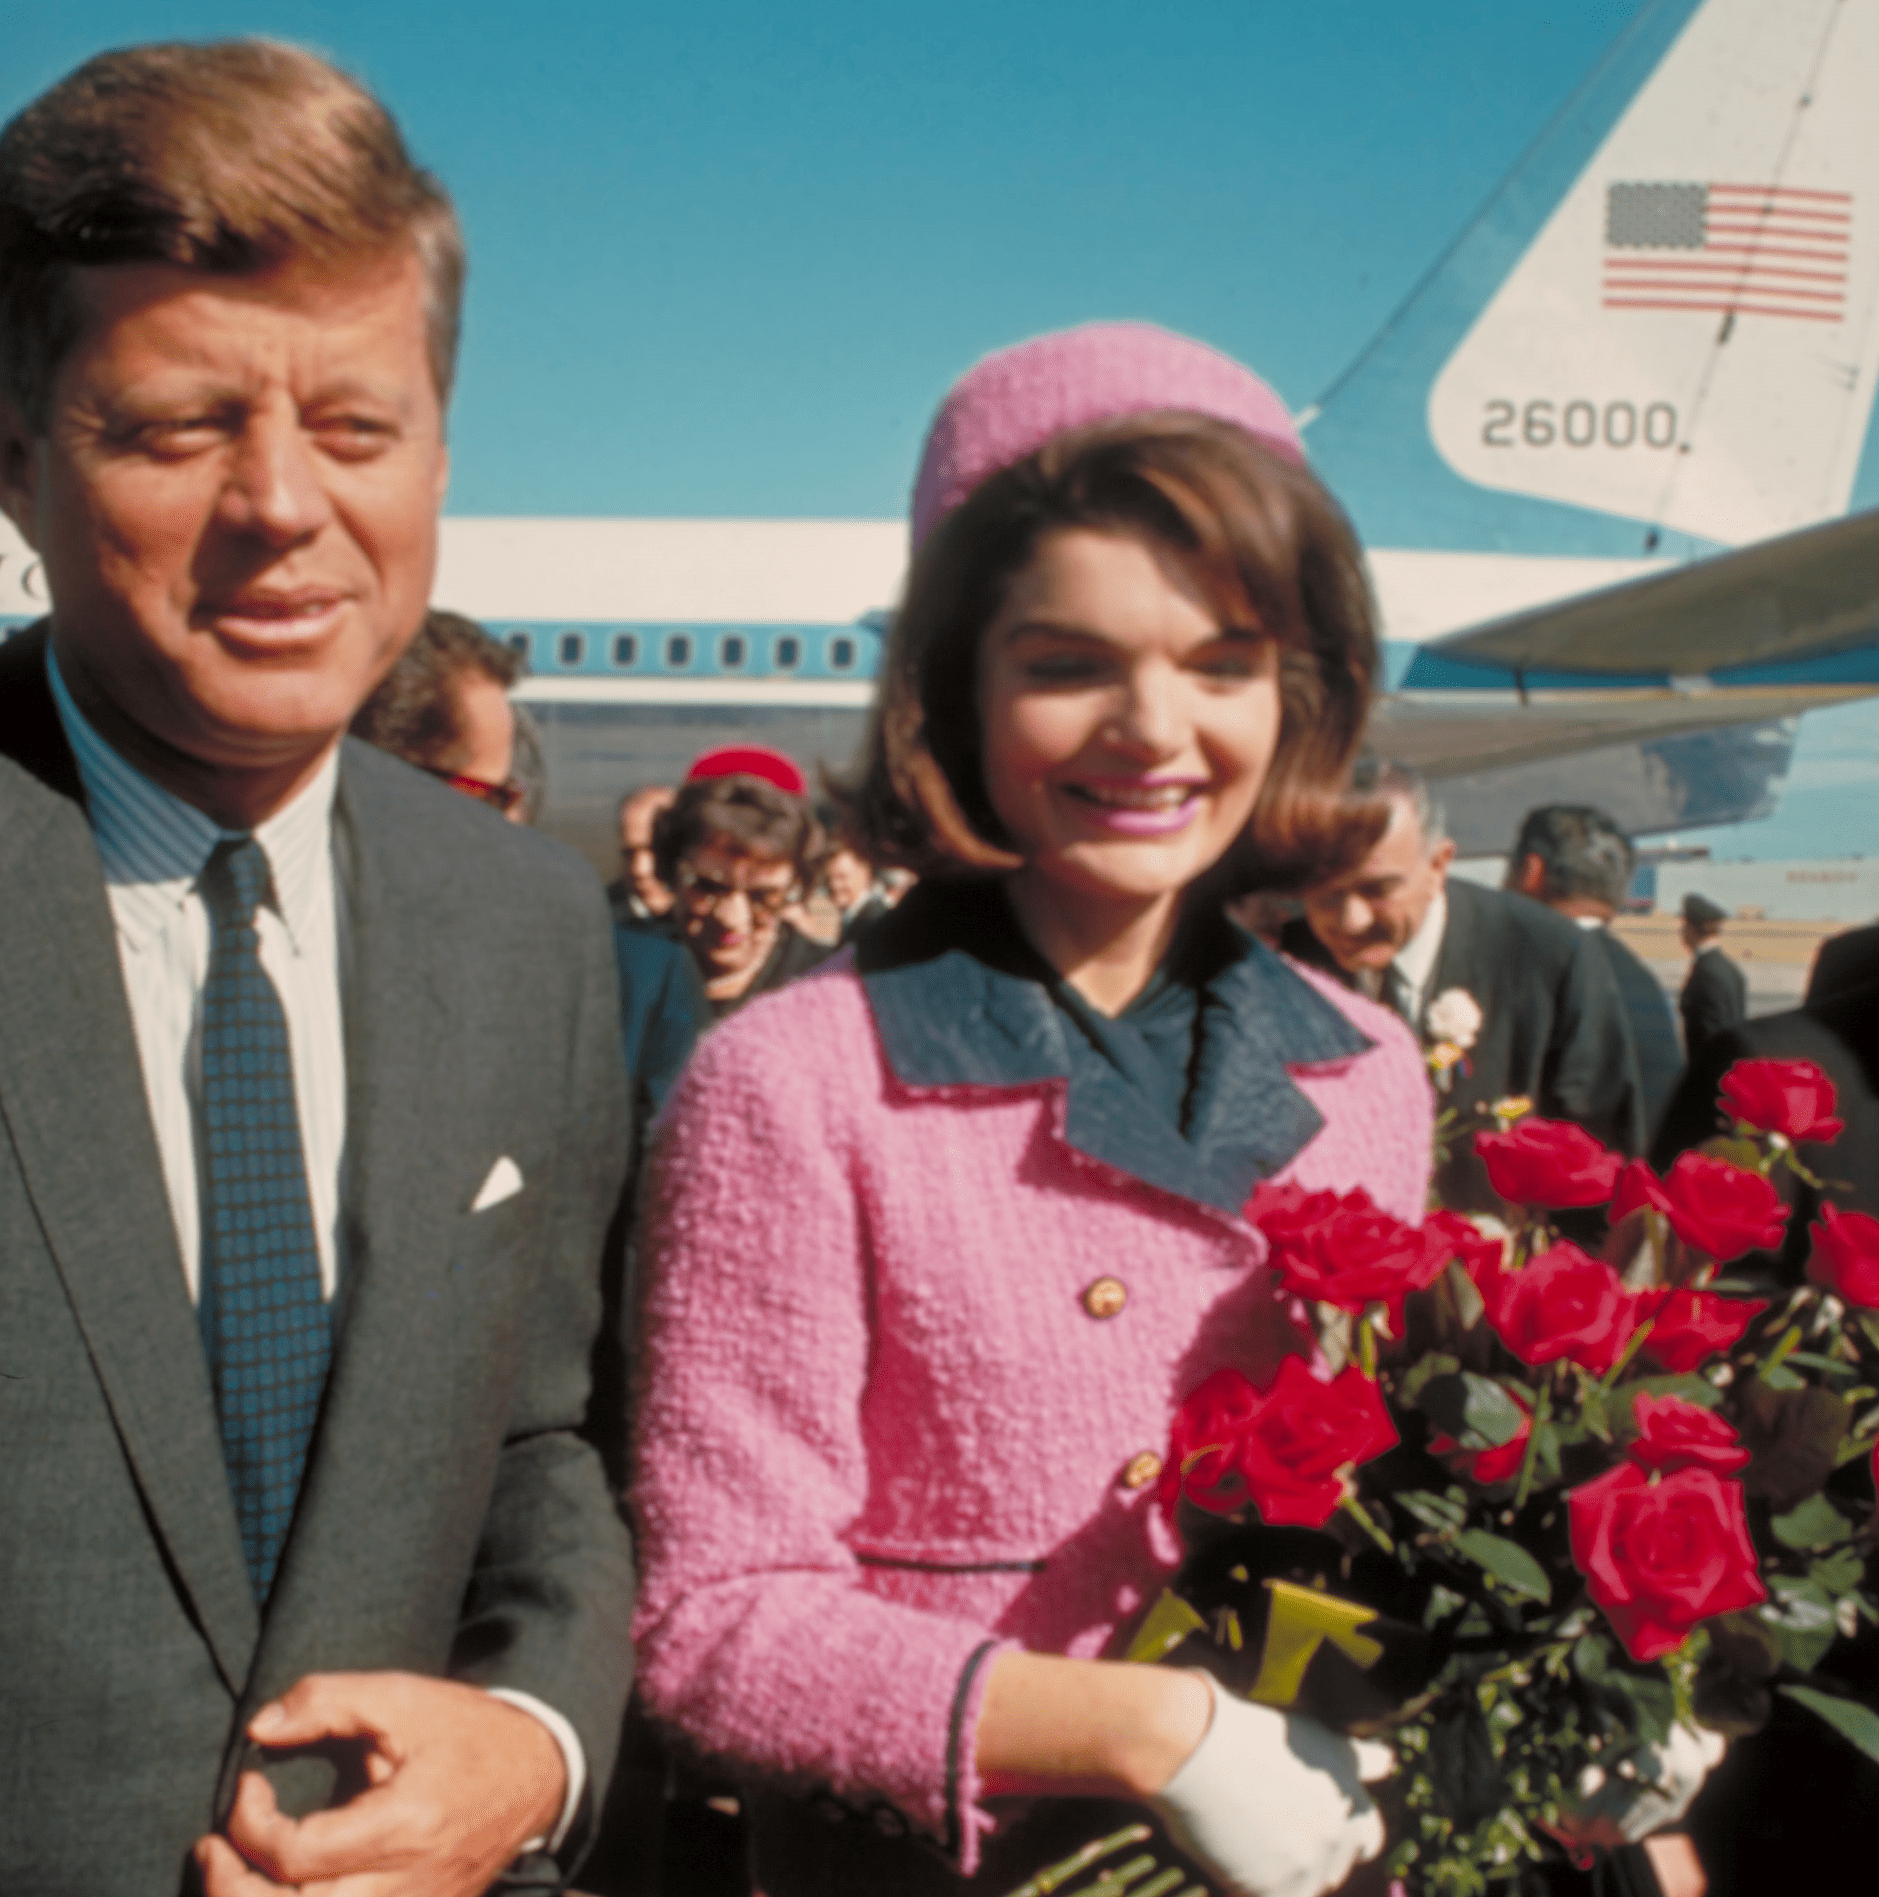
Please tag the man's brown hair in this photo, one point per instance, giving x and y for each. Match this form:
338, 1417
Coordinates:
1265, 545
414, 712
230, 158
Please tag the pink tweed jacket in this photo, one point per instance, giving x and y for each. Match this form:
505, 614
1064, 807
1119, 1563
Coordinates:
891, 1418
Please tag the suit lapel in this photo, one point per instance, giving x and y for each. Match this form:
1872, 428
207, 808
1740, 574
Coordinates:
72, 1095
1457, 961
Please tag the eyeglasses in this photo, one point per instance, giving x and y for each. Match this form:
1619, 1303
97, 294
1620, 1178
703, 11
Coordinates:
504, 796
708, 892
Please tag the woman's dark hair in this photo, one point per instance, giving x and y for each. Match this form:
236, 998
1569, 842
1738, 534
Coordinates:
747, 816
1262, 541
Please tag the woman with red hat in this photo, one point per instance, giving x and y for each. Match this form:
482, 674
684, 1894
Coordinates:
938, 1239
738, 847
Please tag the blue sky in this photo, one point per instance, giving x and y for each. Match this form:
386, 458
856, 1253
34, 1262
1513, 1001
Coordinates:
725, 257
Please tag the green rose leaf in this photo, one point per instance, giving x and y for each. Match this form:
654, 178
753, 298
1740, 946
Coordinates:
1443, 1513
1852, 1721
1839, 1573
1815, 1524
1508, 1562
1476, 1411
1802, 1615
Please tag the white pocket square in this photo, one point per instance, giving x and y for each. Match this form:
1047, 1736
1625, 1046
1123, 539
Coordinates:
504, 1182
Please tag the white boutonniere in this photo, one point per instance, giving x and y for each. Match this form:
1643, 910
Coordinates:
1454, 1016
1452, 1025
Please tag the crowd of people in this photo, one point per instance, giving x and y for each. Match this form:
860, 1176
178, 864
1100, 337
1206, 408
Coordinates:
841, 1202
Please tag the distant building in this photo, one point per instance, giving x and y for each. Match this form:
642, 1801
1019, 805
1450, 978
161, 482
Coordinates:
1843, 889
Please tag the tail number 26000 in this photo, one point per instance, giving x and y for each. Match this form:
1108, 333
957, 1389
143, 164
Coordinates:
1578, 424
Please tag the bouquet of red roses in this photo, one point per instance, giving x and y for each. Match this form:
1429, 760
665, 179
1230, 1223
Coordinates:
1526, 1510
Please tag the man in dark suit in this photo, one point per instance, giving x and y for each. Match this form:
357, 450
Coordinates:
1527, 998
1576, 860
445, 708
1792, 1805
1842, 963
1716, 994
309, 1072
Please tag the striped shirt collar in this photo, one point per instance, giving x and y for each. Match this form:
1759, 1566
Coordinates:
154, 845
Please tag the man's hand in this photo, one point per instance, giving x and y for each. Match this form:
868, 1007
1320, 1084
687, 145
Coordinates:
459, 1782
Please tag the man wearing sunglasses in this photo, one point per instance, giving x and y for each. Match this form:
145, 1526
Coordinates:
445, 708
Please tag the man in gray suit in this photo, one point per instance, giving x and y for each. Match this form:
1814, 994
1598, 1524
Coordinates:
311, 1110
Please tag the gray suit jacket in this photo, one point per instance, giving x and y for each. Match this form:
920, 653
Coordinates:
1553, 1027
451, 1520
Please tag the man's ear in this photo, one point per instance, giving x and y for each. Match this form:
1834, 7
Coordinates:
19, 471
1527, 875
1442, 856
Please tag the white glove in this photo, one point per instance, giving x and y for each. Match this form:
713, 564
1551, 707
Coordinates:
1620, 1808
1272, 1803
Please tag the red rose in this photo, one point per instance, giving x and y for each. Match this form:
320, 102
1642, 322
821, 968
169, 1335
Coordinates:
1281, 1211
1482, 1256
1284, 1448
1846, 1256
1548, 1162
1790, 1097
1713, 1205
1486, 1466
1689, 1327
1305, 1433
1564, 1304
1207, 1428
1350, 1253
1673, 1434
1660, 1553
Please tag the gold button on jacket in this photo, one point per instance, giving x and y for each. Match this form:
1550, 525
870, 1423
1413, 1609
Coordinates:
1142, 1470
1105, 1297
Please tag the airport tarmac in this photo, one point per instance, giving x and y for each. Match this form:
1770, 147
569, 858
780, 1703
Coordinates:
1776, 956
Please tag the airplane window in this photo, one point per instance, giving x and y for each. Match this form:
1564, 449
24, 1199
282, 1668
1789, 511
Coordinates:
678, 650
625, 648
841, 653
788, 653
731, 652
572, 649
518, 643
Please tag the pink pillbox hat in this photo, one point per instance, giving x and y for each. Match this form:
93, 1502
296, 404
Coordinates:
1014, 401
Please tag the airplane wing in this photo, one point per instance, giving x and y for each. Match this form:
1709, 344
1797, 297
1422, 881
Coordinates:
1786, 626
1453, 734
1798, 597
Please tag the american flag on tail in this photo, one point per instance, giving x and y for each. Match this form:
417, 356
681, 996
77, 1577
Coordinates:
1762, 249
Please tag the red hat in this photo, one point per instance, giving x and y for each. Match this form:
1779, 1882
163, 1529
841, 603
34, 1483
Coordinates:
750, 760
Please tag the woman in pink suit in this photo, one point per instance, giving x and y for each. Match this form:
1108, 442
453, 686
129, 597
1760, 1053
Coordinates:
940, 1237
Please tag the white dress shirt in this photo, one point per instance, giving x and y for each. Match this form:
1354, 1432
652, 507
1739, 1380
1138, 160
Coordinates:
154, 848
1416, 959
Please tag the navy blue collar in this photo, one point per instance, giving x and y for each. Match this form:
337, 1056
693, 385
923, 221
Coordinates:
960, 999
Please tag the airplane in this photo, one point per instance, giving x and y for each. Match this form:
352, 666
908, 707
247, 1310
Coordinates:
1602, 457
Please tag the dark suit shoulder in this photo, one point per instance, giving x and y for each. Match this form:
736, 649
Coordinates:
435, 833
31, 737
1844, 963
1523, 925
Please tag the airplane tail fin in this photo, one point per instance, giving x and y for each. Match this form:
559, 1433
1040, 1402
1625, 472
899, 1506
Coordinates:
1662, 331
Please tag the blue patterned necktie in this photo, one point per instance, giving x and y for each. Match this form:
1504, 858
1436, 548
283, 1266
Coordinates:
264, 1321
